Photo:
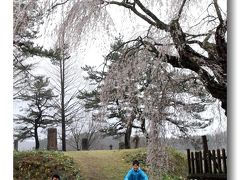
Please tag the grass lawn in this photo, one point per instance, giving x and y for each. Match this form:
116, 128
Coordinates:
101, 164
89, 165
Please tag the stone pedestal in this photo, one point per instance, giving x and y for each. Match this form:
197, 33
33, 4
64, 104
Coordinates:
52, 139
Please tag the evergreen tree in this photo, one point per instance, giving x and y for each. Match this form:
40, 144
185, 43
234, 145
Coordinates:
27, 18
39, 111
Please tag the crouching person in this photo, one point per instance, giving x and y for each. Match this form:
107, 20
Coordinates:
135, 173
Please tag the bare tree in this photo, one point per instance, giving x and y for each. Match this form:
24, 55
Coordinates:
75, 138
87, 128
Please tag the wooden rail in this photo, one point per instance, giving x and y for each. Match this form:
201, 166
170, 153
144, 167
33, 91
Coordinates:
207, 164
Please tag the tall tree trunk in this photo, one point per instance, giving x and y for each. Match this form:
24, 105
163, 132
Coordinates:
36, 137
63, 131
156, 155
62, 105
78, 149
128, 136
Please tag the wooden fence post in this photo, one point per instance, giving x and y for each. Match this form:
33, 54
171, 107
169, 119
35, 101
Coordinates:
224, 161
189, 162
193, 167
197, 162
205, 153
209, 162
214, 162
201, 164
219, 161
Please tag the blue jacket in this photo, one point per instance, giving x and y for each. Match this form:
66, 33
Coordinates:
136, 175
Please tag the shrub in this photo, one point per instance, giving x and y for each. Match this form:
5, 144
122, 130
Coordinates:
41, 165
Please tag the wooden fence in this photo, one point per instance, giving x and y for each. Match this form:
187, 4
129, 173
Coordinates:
207, 164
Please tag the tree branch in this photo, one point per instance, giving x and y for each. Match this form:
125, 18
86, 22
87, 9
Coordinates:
218, 11
181, 9
132, 7
159, 23
58, 4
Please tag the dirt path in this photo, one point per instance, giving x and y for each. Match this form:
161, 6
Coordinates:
100, 165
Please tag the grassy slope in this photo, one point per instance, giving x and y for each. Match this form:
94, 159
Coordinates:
101, 164
113, 165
